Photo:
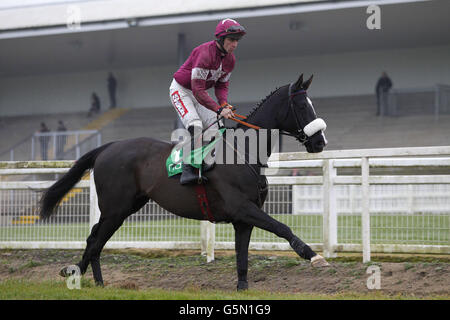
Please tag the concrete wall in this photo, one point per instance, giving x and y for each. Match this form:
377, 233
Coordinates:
353, 73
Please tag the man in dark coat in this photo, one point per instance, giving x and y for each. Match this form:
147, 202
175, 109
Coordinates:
60, 140
95, 104
384, 84
112, 84
44, 140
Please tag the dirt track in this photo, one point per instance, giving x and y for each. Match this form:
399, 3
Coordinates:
269, 271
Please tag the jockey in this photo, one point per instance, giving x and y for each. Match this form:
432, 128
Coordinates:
209, 65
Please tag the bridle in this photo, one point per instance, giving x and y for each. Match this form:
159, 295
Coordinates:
300, 135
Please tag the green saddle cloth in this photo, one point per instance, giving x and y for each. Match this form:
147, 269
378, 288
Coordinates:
174, 162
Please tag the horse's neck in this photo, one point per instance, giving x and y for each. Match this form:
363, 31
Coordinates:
266, 115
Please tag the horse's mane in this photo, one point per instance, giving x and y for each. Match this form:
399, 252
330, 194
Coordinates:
259, 104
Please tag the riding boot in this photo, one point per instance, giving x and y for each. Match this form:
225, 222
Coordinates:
191, 174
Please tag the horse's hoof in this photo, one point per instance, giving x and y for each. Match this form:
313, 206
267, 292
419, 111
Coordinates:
319, 262
242, 285
99, 284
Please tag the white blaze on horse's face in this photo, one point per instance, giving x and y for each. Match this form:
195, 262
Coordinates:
316, 125
311, 105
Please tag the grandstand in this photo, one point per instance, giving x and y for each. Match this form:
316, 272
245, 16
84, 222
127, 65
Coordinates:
351, 120
52, 84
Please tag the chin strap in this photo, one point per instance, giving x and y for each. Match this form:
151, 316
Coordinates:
221, 48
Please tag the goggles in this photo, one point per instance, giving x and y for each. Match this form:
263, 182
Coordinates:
235, 29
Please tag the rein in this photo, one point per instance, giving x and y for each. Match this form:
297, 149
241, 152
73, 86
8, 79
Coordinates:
300, 135
243, 122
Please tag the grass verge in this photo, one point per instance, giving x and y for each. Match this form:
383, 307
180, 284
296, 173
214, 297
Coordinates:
52, 290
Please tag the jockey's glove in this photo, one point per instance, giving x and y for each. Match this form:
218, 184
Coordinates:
224, 105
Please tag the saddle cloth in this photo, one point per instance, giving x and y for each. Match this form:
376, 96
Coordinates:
174, 162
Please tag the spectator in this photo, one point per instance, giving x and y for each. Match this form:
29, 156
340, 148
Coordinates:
384, 84
60, 140
112, 84
95, 104
44, 140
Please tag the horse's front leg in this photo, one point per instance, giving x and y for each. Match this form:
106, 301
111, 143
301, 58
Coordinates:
242, 233
252, 215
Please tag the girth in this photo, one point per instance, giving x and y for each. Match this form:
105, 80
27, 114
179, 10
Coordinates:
203, 202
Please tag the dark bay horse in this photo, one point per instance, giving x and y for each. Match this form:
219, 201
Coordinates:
130, 172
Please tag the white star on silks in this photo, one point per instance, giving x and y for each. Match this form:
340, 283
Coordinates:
216, 74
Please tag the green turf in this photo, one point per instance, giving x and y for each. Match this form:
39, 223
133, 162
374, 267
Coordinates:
51, 290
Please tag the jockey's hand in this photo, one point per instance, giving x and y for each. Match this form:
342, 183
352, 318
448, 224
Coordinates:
227, 111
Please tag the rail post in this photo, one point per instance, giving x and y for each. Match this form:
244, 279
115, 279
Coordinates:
365, 215
329, 210
207, 239
94, 211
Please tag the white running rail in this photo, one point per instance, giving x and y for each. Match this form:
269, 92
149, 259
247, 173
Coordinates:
337, 205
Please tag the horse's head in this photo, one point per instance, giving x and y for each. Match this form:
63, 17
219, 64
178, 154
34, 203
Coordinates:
301, 120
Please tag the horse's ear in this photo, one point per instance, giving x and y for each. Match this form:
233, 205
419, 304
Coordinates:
299, 82
306, 85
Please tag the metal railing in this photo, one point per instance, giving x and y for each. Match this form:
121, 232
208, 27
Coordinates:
65, 145
402, 102
54, 145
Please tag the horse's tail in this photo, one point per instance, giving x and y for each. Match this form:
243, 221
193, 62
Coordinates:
52, 196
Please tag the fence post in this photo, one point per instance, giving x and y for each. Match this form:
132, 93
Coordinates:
94, 211
77, 147
365, 202
295, 196
207, 239
54, 146
33, 152
329, 210
99, 139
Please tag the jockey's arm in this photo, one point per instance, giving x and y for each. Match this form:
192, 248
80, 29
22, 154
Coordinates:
202, 96
221, 91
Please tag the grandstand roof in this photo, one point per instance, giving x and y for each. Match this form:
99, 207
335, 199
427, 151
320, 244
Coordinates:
136, 35
27, 14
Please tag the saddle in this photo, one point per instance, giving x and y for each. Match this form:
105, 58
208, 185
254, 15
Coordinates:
174, 163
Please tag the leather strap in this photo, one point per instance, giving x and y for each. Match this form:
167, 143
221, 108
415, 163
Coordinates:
203, 202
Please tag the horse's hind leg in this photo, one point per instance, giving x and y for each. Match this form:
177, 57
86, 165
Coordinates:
84, 263
101, 232
242, 239
106, 229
